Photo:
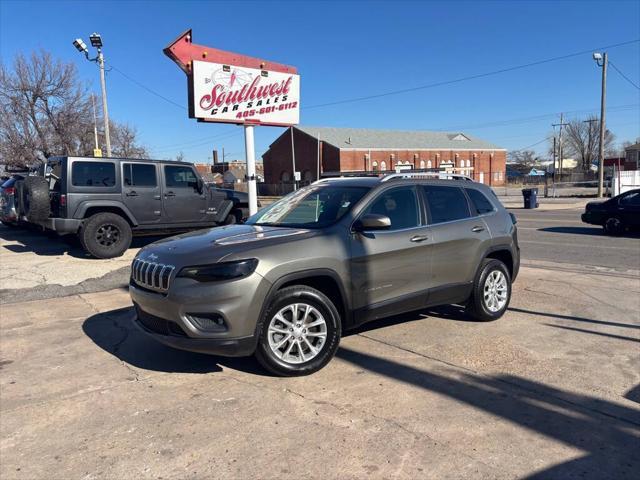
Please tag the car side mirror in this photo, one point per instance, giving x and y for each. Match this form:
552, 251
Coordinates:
372, 221
200, 186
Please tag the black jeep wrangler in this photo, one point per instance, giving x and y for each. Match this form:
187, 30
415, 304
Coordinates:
104, 201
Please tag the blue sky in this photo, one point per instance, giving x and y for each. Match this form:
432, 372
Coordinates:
352, 49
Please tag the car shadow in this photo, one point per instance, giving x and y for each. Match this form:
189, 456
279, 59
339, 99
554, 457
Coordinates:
50, 244
605, 432
114, 332
595, 231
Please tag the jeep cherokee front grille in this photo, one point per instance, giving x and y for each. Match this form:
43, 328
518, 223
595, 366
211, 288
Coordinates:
151, 275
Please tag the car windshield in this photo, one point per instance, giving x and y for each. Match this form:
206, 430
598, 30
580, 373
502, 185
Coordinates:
315, 206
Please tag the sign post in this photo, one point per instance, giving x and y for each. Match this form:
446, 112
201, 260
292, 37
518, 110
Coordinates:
226, 87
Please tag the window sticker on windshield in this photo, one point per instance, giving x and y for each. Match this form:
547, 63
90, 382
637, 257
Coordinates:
345, 204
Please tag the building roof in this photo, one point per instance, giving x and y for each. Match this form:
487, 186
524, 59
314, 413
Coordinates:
364, 138
635, 146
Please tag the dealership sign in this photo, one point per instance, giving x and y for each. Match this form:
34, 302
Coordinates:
234, 88
236, 94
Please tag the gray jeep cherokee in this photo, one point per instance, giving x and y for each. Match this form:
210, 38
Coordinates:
324, 259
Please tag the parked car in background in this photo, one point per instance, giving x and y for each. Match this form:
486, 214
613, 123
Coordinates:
105, 201
324, 259
615, 215
8, 214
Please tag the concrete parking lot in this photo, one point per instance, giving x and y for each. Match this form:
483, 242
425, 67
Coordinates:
551, 390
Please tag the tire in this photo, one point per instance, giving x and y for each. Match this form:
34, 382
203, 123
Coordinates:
231, 219
491, 307
613, 226
105, 235
17, 198
321, 308
35, 199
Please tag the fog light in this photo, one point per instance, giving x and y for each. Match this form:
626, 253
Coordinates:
208, 322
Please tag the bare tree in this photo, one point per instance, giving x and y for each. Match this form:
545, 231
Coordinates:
124, 141
582, 140
180, 156
526, 158
45, 110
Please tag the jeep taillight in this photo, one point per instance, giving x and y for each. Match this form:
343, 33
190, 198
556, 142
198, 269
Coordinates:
63, 200
10, 190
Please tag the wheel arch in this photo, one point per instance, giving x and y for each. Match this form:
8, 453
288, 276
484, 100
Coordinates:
324, 280
504, 254
86, 209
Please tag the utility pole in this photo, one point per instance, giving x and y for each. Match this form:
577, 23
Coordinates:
554, 167
589, 158
96, 42
95, 124
561, 124
603, 102
105, 110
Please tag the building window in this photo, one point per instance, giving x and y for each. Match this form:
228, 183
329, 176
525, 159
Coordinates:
383, 165
422, 164
374, 166
429, 164
468, 163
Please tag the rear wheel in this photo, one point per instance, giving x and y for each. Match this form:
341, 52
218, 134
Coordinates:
300, 332
613, 226
105, 235
491, 291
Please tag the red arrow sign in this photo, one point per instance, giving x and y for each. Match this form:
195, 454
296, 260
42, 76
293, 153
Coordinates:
184, 52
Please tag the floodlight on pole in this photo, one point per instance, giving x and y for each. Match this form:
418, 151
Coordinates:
80, 45
601, 60
96, 42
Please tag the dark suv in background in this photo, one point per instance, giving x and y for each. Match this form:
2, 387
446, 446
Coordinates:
104, 201
324, 259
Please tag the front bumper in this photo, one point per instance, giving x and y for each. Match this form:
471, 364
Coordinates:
226, 347
169, 318
592, 218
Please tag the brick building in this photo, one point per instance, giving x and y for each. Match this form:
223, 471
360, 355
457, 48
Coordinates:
365, 150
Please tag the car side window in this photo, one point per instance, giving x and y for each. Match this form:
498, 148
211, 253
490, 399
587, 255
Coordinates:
180, 177
93, 174
400, 205
479, 201
446, 204
631, 199
139, 175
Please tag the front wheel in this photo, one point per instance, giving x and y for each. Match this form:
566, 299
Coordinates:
613, 226
299, 333
105, 235
491, 291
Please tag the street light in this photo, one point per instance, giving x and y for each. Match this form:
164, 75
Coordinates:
96, 42
601, 61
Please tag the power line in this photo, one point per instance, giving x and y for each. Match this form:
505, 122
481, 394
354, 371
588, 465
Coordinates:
470, 77
623, 75
195, 140
530, 146
153, 92
543, 116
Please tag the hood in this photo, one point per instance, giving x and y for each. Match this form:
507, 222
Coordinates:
212, 245
596, 205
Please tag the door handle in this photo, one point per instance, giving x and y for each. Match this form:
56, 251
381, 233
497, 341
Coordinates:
419, 238
169, 194
132, 193
477, 229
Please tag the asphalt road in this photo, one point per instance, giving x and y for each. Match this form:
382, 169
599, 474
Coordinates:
560, 236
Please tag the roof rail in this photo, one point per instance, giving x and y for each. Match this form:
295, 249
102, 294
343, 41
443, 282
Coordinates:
441, 175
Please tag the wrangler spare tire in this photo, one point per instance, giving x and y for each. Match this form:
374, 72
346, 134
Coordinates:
35, 199
17, 198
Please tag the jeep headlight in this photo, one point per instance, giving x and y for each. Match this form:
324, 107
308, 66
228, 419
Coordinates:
217, 272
